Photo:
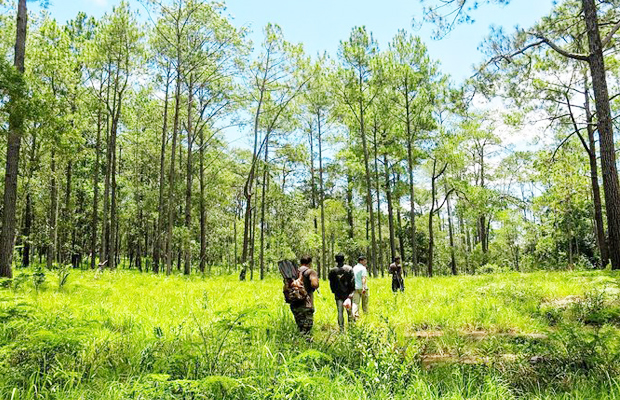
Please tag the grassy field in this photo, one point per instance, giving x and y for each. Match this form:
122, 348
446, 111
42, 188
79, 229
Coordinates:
125, 335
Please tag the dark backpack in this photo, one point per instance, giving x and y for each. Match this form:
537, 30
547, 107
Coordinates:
294, 289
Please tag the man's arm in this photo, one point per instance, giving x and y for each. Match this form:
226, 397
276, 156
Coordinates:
332, 281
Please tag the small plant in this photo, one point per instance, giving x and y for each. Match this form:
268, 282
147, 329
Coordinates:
63, 276
20, 280
38, 277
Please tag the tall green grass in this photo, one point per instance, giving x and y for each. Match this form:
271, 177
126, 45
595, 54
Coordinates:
125, 335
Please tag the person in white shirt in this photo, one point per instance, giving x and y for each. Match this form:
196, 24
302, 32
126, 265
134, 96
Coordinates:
360, 296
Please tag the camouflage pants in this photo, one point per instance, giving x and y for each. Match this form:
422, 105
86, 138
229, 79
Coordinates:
304, 318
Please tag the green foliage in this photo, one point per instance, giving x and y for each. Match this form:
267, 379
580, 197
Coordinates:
38, 277
63, 275
101, 339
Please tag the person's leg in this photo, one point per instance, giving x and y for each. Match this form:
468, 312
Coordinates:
340, 306
395, 284
350, 313
355, 304
297, 313
307, 320
365, 301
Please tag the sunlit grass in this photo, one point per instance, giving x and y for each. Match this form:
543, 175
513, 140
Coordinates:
121, 334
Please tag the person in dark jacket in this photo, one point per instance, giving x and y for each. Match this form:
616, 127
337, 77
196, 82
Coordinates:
304, 311
396, 270
342, 284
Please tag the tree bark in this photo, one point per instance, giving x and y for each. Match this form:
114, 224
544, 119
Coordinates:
95, 214
16, 131
112, 258
171, 172
313, 187
67, 223
605, 129
262, 208
596, 191
203, 211
368, 180
159, 234
388, 195
378, 193
51, 250
189, 179
321, 196
350, 207
451, 234
29, 212
414, 247
431, 236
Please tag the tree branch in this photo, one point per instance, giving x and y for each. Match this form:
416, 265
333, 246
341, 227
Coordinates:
611, 34
558, 49
572, 117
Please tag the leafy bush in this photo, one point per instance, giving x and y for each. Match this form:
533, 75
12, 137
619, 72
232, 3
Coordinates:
38, 277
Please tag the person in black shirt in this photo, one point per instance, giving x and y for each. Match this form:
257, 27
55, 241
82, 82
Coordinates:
396, 270
342, 284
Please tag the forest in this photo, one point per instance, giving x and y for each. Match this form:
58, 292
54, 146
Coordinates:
158, 164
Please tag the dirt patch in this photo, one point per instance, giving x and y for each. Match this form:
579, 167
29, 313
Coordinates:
477, 335
434, 360
481, 335
426, 334
562, 302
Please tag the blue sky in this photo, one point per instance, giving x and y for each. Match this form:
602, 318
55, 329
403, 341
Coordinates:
321, 24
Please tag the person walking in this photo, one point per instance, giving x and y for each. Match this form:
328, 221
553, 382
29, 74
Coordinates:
300, 294
396, 270
360, 296
342, 284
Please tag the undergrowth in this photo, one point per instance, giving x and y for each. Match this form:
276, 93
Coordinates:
123, 335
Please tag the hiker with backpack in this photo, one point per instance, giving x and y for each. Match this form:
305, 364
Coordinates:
396, 270
342, 284
299, 286
360, 296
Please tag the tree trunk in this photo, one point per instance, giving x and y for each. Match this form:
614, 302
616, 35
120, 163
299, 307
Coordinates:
313, 189
67, 223
29, 212
262, 208
158, 245
378, 193
451, 233
596, 191
247, 190
253, 234
431, 237
51, 250
605, 128
203, 211
188, 189
171, 172
105, 232
322, 197
414, 247
16, 131
112, 260
369, 204
350, 207
388, 195
27, 228
95, 215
